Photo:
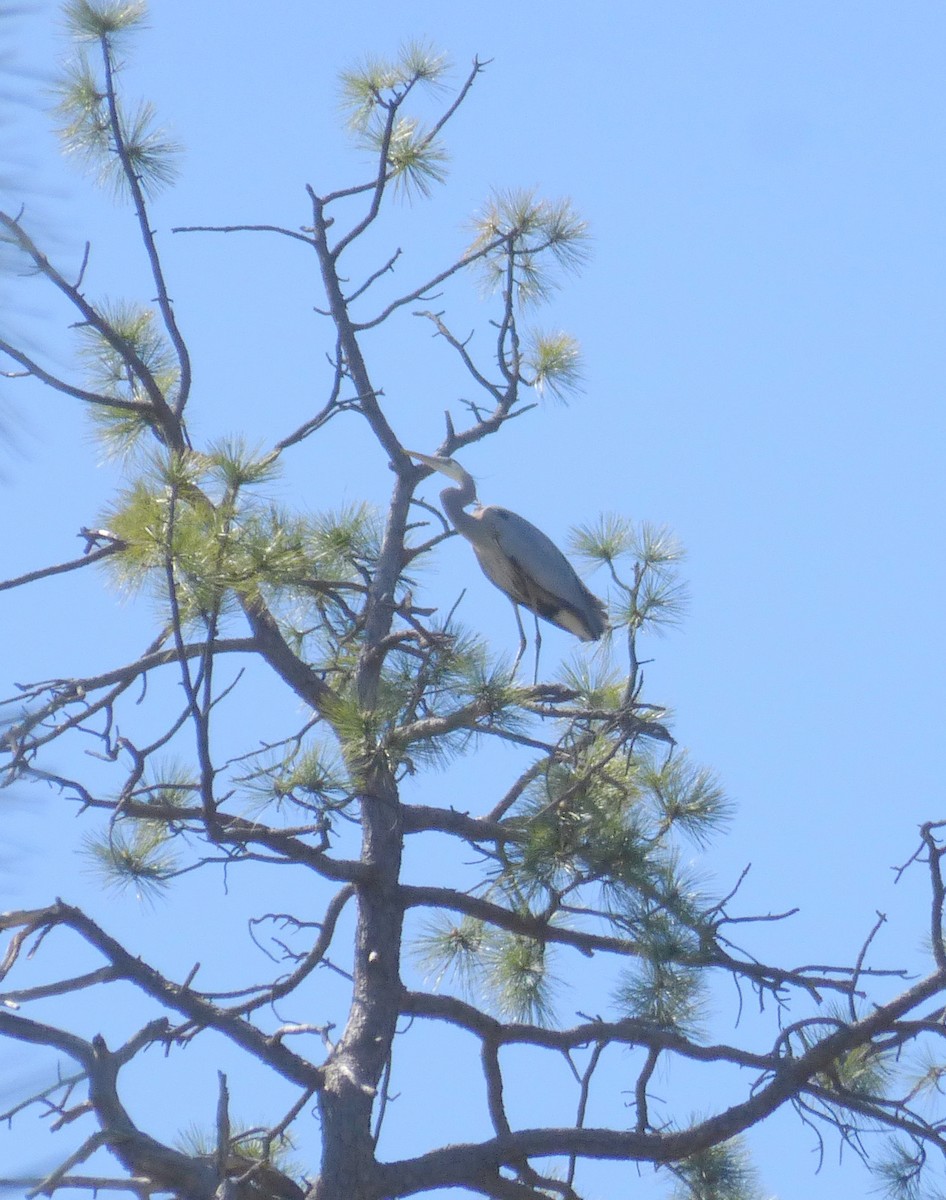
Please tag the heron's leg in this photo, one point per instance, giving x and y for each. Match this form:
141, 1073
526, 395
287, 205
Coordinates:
538, 647
522, 638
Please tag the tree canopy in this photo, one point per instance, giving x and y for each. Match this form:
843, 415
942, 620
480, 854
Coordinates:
399, 927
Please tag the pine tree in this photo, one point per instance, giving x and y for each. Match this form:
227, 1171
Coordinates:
576, 873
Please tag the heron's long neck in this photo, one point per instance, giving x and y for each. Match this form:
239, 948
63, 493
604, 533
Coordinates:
454, 501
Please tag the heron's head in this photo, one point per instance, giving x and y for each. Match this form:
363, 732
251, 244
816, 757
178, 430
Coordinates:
446, 466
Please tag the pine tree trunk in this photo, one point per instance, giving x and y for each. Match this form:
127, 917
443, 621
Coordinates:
356, 1065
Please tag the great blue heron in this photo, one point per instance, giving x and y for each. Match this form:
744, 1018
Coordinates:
520, 560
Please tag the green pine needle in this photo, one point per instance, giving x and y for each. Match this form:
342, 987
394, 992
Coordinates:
580, 826
660, 604
685, 797
519, 980
84, 127
367, 90
420, 61
606, 541
86, 131
721, 1172
361, 89
312, 778
554, 359
656, 546
665, 907
534, 235
247, 1149
239, 466
669, 996
598, 684
227, 542
137, 860
108, 372
449, 950
349, 536
112, 142
154, 156
534, 224
172, 786
508, 972
90, 22
863, 1071
119, 431
418, 161
900, 1172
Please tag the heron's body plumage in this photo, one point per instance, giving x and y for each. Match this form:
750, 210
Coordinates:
527, 565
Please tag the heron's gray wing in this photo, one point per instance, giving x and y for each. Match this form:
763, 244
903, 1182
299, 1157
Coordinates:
527, 565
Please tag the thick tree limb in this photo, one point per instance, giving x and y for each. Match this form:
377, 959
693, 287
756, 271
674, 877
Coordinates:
138, 1152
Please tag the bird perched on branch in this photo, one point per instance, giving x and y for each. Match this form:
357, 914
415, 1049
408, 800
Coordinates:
520, 560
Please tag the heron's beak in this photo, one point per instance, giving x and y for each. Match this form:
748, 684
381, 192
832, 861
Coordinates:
431, 460
446, 466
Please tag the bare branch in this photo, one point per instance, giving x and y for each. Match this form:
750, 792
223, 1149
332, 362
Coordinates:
180, 999
60, 385
314, 957
421, 292
163, 415
147, 235
497, 393
934, 860
290, 233
377, 190
73, 564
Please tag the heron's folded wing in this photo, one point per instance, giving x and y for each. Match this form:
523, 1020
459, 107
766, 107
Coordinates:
527, 565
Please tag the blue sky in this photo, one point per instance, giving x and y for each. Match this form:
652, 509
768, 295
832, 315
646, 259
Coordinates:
764, 360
